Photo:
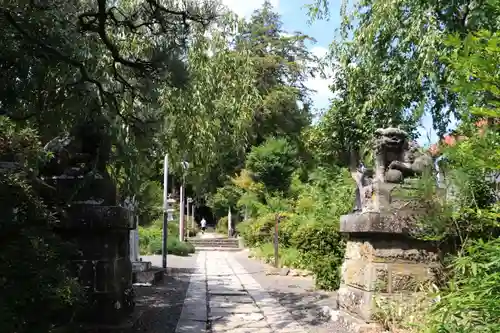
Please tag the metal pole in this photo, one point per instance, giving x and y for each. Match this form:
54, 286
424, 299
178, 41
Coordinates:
188, 215
181, 213
165, 215
276, 258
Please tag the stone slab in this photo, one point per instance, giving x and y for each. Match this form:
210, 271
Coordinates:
278, 318
192, 326
152, 276
234, 309
194, 316
392, 250
231, 324
229, 301
375, 222
225, 249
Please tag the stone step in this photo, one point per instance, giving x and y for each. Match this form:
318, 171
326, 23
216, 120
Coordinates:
151, 276
225, 249
214, 242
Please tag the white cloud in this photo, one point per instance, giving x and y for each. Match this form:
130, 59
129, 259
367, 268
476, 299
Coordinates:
245, 8
322, 94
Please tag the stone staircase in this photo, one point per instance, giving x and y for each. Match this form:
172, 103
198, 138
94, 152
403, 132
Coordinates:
215, 244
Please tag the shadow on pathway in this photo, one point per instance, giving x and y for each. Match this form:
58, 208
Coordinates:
296, 294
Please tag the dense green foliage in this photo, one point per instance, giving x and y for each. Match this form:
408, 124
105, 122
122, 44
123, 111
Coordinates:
32, 257
308, 229
272, 164
228, 94
395, 61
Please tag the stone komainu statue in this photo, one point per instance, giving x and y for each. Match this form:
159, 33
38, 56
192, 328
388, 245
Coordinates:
85, 148
396, 159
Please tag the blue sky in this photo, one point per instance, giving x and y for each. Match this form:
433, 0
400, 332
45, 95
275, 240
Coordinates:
295, 18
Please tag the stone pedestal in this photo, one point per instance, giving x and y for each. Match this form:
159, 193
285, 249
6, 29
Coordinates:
382, 259
99, 229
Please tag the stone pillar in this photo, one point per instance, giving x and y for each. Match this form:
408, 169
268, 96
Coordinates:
229, 223
134, 244
101, 233
91, 219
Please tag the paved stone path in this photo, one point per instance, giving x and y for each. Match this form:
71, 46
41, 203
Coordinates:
223, 294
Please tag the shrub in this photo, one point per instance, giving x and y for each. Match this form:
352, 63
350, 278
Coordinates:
33, 259
221, 226
33, 263
291, 257
258, 231
470, 303
151, 241
308, 231
193, 231
323, 248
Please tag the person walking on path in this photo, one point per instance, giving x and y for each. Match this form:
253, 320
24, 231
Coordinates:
203, 225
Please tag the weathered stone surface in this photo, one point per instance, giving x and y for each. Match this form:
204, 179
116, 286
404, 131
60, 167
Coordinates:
401, 222
89, 217
391, 250
230, 310
141, 266
84, 216
356, 301
386, 278
365, 276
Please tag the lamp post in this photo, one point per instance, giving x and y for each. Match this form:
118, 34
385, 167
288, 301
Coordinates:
182, 228
165, 212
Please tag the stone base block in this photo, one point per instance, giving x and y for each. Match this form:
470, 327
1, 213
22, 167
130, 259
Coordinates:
151, 276
358, 302
108, 308
141, 266
385, 277
346, 323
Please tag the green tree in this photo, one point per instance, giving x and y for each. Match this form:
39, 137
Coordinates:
279, 64
273, 164
390, 64
476, 75
283, 64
